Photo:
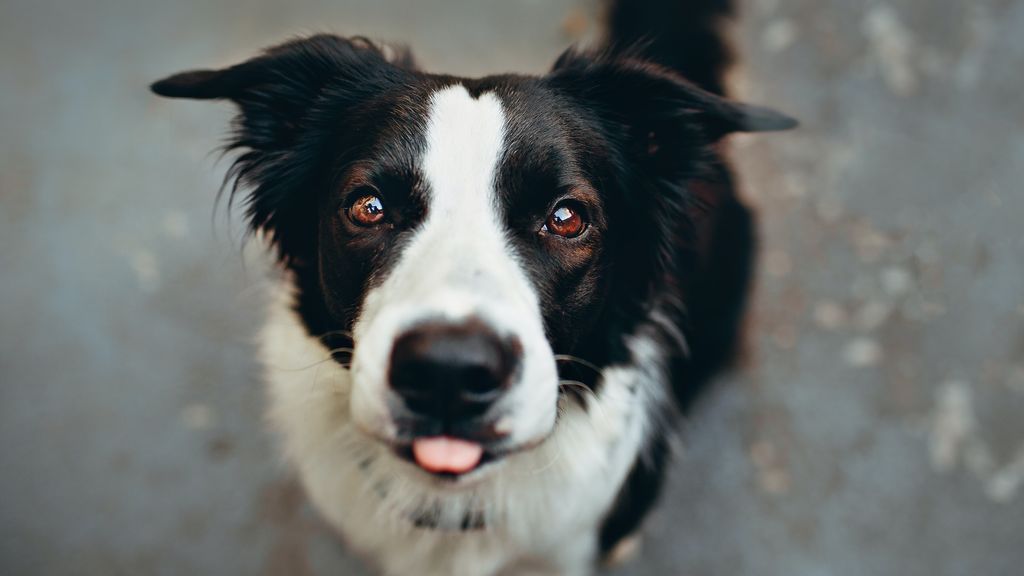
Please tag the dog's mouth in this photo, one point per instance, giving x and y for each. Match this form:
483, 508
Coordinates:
451, 458
446, 456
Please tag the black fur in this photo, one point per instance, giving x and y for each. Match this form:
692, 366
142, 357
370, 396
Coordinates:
620, 131
687, 36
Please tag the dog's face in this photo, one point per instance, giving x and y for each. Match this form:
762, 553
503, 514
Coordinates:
447, 315
453, 239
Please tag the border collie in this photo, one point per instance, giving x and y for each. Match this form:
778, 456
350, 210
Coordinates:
498, 293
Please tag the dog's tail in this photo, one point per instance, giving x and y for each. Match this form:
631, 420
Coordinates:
687, 36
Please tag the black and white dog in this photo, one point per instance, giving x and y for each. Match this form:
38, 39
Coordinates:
500, 292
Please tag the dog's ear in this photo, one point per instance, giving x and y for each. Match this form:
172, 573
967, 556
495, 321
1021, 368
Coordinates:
290, 98
277, 89
659, 109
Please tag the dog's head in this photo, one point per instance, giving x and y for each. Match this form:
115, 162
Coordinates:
453, 238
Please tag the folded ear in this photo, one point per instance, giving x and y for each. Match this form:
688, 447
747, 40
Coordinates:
307, 87
655, 104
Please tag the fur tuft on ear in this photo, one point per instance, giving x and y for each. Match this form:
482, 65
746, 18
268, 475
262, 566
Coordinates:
284, 96
638, 91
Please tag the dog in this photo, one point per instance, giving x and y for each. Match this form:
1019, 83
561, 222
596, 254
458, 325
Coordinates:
497, 294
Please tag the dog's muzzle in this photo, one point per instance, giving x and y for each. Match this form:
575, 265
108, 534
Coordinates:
449, 379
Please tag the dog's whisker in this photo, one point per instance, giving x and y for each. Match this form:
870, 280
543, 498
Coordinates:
576, 384
586, 394
301, 368
577, 360
330, 333
316, 375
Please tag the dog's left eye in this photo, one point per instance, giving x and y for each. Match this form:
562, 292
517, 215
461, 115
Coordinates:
367, 210
566, 220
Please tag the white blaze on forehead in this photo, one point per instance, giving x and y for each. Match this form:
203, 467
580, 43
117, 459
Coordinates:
464, 142
461, 247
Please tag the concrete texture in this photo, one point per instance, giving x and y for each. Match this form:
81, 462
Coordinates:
875, 428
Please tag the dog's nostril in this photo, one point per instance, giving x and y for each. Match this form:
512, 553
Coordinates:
451, 372
480, 380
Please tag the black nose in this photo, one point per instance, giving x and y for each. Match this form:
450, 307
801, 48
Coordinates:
452, 372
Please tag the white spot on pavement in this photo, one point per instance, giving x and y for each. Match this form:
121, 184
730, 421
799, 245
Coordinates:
870, 243
872, 315
896, 281
175, 225
829, 315
1003, 485
197, 417
146, 268
778, 35
979, 38
772, 476
954, 438
952, 424
892, 48
862, 353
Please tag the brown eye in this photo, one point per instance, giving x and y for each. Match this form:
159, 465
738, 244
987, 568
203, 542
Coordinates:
367, 210
565, 221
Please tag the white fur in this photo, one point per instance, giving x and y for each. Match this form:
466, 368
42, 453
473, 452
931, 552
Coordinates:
541, 507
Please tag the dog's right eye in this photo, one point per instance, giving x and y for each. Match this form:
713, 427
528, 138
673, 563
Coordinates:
367, 210
566, 220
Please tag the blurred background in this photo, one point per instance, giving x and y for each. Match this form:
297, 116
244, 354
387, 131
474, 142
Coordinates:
876, 427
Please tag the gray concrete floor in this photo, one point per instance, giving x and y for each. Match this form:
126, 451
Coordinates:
876, 427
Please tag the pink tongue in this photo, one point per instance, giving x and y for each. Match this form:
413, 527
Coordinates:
444, 454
